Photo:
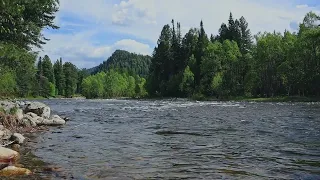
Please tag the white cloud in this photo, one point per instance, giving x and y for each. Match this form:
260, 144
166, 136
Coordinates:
133, 46
302, 6
133, 11
79, 50
144, 19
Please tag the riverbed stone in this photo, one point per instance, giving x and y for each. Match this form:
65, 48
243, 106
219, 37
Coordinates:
54, 121
8, 156
39, 109
8, 105
18, 138
30, 119
5, 134
14, 171
19, 114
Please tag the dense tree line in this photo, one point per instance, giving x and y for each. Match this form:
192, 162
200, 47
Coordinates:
113, 84
123, 61
232, 64
58, 79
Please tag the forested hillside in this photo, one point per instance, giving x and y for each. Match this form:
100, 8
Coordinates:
123, 61
235, 63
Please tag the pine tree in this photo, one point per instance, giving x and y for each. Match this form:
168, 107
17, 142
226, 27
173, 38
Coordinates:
245, 44
201, 45
39, 76
47, 69
160, 63
59, 77
71, 78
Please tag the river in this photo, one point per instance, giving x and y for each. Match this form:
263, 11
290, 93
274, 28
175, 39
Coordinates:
180, 139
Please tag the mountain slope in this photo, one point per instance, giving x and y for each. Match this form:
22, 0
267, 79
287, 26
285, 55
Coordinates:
125, 61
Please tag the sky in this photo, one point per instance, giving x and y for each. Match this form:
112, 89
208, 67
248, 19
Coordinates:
91, 30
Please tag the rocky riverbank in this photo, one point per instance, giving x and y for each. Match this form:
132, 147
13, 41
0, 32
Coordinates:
17, 119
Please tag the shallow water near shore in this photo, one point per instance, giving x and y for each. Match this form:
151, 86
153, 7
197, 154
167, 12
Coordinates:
180, 139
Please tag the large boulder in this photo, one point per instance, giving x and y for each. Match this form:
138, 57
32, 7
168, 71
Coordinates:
14, 171
54, 121
39, 109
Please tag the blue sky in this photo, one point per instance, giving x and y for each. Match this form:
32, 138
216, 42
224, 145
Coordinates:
91, 30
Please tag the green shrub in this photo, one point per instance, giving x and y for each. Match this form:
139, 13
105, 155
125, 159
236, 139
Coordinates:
13, 111
2, 110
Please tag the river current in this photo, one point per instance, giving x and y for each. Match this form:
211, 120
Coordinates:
180, 139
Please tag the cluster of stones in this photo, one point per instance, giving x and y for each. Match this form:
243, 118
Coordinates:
29, 114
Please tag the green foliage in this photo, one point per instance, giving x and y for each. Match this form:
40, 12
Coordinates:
71, 77
2, 110
13, 111
21, 63
52, 90
187, 84
59, 77
8, 83
113, 84
47, 69
21, 22
231, 65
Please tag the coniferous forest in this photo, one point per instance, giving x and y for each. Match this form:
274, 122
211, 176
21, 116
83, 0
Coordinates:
229, 63
235, 62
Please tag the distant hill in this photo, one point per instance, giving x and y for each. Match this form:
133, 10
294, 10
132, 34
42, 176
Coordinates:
124, 60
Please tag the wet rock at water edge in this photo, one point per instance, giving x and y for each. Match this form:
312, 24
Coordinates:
39, 109
54, 121
18, 138
14, 171
8, 156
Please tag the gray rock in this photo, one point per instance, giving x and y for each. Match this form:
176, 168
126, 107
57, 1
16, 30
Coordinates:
30, 119
7, 105
5, 134
39, 109
19, 114
18, 138
33, 115
54, 121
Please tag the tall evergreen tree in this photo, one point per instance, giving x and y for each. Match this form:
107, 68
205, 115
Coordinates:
201, 45
245, 44
160, 66
47, 69
59, 77
71, 78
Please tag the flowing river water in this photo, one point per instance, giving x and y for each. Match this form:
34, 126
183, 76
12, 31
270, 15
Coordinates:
180, 139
